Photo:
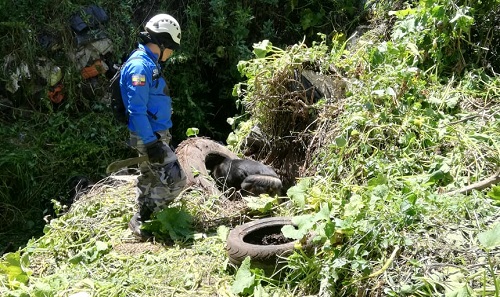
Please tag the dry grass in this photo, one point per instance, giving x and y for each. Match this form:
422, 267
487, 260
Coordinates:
127, 267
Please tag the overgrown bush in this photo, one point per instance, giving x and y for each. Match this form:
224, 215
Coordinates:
388, 161
40, 156
76, 135
216, 35
383, 187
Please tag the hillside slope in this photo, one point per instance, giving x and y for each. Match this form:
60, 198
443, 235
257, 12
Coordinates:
389, 145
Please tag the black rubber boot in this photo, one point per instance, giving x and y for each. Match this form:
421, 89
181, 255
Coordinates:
135, 224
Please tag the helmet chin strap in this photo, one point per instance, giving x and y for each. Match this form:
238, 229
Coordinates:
162, 50
155, 41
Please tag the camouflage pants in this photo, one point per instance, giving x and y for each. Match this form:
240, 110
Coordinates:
158, 184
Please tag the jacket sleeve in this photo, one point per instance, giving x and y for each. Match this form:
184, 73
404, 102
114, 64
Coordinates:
137, 80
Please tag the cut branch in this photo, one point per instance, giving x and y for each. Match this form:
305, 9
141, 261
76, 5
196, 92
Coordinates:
482, 184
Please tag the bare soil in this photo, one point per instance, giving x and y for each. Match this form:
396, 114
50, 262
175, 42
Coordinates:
275, 239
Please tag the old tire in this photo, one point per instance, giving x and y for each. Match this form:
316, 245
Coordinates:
240, 244
193, 155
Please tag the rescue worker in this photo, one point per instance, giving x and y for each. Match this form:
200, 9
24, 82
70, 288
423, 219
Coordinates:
146, 96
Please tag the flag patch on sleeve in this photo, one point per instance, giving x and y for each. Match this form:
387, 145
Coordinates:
138, 80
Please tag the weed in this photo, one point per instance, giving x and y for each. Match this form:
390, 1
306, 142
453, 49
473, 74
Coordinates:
413, 120
401, 137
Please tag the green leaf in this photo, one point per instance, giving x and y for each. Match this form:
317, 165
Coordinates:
438, 11
402, 13
324, 213
101, 246
380, 179
304, 220
173, 222
380, 191
12, 266
232, 139
340, 141
494, 193
304, 223
354, 207
290, 231
490, 239
262, 203
242, 67
262, 48
297, 193
192, 132
463, 21
443, 175
459, 290
244, 281
330, 230
222, 232
25, 262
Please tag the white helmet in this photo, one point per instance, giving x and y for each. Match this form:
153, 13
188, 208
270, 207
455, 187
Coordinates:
165, 23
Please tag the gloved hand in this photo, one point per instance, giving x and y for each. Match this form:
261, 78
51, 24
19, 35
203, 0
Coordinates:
156, 153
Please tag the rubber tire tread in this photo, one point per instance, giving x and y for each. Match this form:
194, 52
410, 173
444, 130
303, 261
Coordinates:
238, 250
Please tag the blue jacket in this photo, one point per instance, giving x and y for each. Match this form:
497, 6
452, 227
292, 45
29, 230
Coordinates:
142, 88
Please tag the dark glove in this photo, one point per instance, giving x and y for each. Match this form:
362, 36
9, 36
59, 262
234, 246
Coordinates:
156, 153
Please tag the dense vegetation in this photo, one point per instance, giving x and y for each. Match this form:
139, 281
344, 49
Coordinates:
410, 116
48, 143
